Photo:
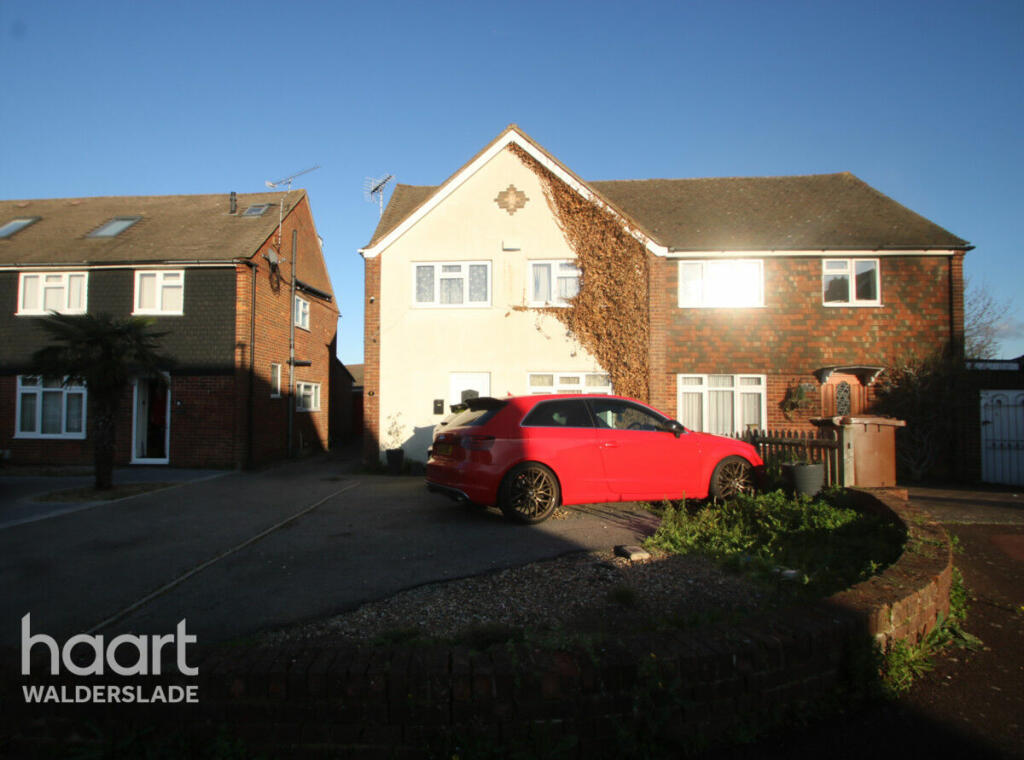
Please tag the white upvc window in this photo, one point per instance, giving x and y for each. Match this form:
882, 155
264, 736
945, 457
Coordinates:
45, 292
568, 382
307, 397
721, 283
722, 404
47, 408
160, 291
448, 284
553, 283
301, 313
850, 282
275, 380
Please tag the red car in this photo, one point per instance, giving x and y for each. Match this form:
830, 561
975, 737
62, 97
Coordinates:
528, 454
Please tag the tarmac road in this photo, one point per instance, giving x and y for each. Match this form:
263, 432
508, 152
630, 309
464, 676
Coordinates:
244, 552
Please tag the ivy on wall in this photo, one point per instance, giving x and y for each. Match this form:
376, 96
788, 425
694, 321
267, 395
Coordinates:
609, 316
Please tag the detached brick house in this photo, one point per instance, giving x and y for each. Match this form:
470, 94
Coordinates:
215, 272
763, 302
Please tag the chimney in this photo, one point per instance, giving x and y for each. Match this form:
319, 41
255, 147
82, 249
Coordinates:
234, 202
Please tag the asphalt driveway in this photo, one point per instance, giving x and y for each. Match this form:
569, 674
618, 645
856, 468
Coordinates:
246, 552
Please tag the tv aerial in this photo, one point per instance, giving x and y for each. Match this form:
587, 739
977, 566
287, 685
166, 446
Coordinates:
288, 180
375, 187
280, 207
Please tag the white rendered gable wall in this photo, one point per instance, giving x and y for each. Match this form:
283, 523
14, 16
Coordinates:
420, 347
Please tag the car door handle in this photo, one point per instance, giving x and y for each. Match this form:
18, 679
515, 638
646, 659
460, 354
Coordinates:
609, 445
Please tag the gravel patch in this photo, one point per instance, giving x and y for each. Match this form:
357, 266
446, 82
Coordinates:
586, 591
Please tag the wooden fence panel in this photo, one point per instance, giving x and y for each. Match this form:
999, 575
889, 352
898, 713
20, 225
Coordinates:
777, 447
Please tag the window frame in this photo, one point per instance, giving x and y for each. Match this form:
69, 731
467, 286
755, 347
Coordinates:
704, 264
315, 388
118, 224
11, 228
38, 390
435, 303
300, 313
737, 387
275, 380
851, 274
555, 301
65, 275
558, 387
158, 311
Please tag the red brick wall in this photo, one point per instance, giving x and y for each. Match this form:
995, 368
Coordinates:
371, 361
202, 426
794, 334
272, 333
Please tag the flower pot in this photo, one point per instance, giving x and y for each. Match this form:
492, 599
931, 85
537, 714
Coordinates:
395, 457
806, 479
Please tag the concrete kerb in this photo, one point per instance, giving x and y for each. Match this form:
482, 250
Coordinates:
711, 680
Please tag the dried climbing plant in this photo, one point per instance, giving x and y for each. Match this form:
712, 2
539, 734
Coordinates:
609, 316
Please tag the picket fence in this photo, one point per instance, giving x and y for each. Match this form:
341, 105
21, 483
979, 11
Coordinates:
777, 447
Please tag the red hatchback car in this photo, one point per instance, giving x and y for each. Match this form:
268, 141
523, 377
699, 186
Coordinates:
528, 454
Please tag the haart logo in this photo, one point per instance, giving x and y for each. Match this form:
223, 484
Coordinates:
142, 653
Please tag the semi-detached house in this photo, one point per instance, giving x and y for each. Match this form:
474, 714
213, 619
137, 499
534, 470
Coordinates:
238, 283
754, 302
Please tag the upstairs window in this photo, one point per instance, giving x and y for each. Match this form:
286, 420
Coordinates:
721, 283
160, 291
850, 282
47, 408
553, 283
42, 293
275, 381
301, 313
16, 225
453, 284
114, 227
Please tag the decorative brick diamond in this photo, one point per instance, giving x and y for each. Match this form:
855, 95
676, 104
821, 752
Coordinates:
511, 199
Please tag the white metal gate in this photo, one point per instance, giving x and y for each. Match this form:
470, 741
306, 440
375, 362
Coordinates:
1002, 437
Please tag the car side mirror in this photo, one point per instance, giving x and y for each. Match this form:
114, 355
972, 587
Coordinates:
675, 428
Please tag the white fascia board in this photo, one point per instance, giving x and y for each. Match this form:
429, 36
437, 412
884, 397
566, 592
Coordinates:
511, 136
836, 253
148, 265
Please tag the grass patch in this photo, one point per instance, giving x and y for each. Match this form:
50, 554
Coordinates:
818, 544
88, 493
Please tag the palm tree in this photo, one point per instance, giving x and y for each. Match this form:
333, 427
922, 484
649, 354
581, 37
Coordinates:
104, 353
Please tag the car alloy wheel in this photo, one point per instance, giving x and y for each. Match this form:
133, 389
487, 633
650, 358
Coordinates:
732, 476
529, 493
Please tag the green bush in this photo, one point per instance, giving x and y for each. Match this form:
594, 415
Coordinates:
826, 546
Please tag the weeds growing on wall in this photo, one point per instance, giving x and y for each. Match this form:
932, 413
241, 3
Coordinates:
609, 316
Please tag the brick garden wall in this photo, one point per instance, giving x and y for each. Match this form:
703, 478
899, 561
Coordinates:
698, 685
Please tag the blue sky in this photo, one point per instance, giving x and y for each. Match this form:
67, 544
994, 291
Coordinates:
923, 100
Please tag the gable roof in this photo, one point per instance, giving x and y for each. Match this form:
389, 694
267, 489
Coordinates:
171, 228
793, 213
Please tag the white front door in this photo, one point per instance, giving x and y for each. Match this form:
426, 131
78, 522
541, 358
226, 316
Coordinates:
467, 385
151, 422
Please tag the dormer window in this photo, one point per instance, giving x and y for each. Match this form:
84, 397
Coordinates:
256, 210
16, 225
115, 226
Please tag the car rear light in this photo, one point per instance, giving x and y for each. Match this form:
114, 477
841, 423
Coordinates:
477, 442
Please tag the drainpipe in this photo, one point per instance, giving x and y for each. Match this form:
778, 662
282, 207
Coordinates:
291, 351
252, 362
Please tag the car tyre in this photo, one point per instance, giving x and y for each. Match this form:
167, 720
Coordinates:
732, 476
529, 493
